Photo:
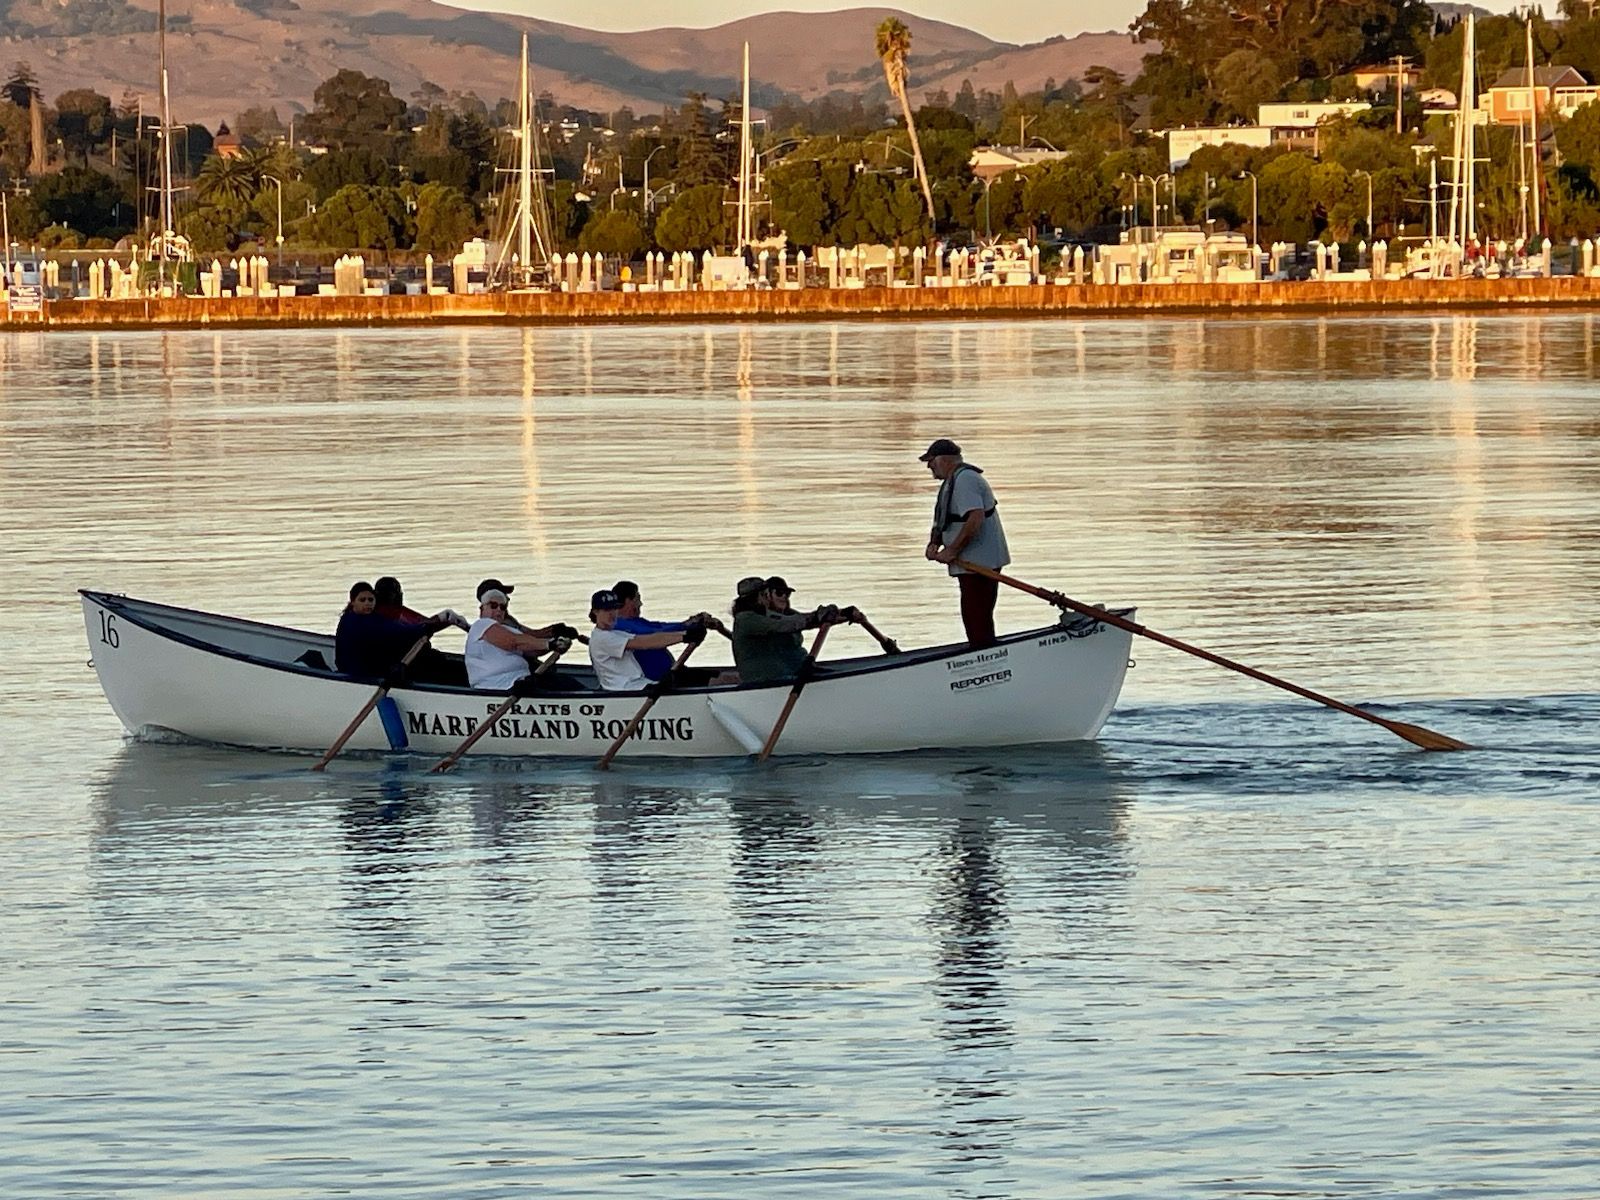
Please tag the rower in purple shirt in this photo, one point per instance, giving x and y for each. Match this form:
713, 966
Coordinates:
654, 663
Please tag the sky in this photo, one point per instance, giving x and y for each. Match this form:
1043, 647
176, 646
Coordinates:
1018, 21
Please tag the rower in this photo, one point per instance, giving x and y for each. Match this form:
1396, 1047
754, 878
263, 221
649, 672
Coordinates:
371, 646
656, 662
766, 630
615, 652
496, 653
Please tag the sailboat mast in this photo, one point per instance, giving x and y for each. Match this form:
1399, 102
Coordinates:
1522, 181
1463, 221
166, 130
1535, 175
1469, 167
525, 174
745, 230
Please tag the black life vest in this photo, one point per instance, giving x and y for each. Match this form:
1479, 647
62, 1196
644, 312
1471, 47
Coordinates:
942, 516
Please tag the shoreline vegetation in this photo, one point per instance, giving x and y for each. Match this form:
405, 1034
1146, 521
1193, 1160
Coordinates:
1298, 298
1303, 122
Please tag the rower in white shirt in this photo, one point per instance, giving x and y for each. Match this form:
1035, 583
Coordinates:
612, 651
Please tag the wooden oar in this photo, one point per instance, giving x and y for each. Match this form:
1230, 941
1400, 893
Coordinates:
605, 759
794, 694
1415, 734
450, 760
890, 646
383, 690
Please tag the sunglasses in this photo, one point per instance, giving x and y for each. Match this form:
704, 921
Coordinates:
493, 604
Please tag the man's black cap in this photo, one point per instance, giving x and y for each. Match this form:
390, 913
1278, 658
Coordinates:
605, 598
777, 584
941, 446
494, 585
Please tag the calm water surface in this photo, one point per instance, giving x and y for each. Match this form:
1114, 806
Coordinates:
1241, 946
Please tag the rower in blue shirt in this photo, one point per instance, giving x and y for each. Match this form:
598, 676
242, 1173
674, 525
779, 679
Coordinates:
654, 663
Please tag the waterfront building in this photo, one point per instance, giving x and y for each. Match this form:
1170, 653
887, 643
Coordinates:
1555, 89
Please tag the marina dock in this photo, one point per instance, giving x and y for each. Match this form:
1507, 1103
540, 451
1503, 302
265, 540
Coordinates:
1309, 297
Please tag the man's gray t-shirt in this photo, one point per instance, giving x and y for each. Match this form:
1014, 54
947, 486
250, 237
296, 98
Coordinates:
968, 489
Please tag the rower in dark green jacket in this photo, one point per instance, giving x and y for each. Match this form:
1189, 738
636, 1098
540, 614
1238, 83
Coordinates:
767, 647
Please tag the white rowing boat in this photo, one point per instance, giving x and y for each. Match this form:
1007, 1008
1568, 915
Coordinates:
205, 677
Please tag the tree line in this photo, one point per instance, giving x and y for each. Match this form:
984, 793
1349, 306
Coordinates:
366, 169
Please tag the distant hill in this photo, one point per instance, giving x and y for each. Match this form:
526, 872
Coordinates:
227, 55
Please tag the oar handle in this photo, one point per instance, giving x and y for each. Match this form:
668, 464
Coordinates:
372, 703
450, 760
890, 646
1426, 738
611, 752
794, 695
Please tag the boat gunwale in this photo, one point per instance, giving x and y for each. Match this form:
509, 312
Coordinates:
831, 673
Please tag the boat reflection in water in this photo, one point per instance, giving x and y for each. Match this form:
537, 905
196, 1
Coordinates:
910, 907
751, 832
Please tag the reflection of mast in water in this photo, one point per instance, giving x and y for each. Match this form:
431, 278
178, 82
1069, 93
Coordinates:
749, 477
744, 373
530, 457
1464, 348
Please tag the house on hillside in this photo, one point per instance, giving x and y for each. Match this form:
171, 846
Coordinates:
228, 144
991, 162
1182, 143
1437, 100
1295, 124
1555, 88
1304, 116
1379, 78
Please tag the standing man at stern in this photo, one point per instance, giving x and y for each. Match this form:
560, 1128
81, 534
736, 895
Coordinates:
966, 525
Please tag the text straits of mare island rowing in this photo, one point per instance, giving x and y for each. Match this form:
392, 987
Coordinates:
551, 722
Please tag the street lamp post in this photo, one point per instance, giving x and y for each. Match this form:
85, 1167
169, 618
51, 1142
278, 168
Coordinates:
1155, 199
1255, 234
988, 183
1133, 220
279, 182
1368, 174
761, 156
649, 200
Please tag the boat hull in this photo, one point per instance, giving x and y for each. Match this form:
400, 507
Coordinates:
210, 678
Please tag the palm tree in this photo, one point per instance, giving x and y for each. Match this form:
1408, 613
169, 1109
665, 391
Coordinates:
226, 180
894, 44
